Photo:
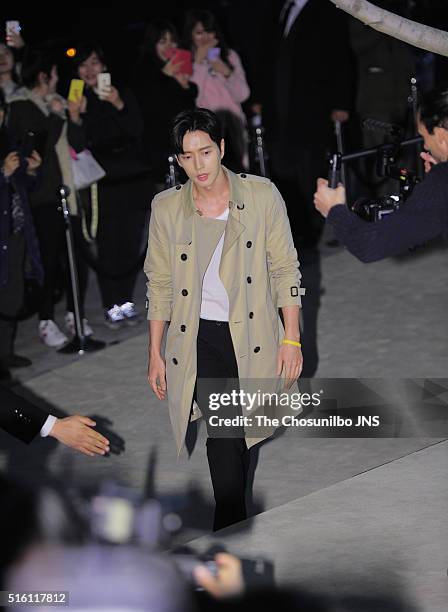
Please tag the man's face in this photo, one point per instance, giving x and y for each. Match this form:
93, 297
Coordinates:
436, 143
201, 158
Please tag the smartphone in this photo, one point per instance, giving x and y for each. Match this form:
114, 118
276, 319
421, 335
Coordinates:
11, 27
213, 54
182, 59
104, 84
76, 90
28, 145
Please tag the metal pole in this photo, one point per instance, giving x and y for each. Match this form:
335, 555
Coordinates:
340, 145
64, 192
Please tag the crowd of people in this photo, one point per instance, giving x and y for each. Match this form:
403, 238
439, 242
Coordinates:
304, 85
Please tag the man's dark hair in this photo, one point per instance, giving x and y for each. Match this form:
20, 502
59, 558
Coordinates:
34, 62
433, 109
199, 119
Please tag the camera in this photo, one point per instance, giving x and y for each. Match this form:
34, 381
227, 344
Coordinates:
374, 210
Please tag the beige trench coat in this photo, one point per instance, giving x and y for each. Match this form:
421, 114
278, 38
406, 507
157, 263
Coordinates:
259, 270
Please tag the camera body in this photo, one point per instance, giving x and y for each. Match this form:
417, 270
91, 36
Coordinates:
374, 210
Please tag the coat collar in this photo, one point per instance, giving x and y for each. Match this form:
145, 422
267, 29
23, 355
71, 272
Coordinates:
234, 227
235, 200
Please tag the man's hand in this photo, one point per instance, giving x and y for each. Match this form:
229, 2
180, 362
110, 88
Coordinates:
33, 162
429, 160
229, 580
325, 197
10, 164
76, 432
290, 360
157, 375
340, 115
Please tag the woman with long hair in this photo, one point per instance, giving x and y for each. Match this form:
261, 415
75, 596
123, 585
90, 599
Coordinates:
220, 77
163, 89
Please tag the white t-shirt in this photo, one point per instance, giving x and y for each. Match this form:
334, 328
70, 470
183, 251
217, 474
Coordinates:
215, 301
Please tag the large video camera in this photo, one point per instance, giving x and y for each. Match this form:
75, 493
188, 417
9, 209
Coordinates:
375, 209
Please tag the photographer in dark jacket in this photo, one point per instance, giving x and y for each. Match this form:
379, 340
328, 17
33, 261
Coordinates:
422, 217
114, 129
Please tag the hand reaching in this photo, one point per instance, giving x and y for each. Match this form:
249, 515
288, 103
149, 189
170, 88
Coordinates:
76, 432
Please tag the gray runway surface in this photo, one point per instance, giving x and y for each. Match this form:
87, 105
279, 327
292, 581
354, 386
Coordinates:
331, 513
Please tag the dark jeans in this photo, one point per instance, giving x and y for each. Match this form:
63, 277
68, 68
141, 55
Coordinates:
228, 458
123, 209
50, 229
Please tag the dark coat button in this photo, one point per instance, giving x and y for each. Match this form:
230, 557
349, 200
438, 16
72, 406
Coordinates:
249, 280
243, 175
248, 244
183, 328
251, 315
175, 361
240, 206
257, 349
184, 257
184, 292
178, 187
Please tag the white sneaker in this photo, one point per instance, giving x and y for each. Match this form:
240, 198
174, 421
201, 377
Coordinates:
130, 312
113, 317
70, 327
50, 334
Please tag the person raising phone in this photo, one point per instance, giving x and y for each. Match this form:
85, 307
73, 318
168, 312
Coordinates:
163, 88
220, 77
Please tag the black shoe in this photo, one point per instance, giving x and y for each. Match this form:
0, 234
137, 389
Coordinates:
16, 361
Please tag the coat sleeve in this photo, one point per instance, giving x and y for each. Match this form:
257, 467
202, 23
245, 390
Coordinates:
282, 258
19, 417
423, 217
157, 268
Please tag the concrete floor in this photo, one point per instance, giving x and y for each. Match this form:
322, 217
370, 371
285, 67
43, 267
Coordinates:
334, 514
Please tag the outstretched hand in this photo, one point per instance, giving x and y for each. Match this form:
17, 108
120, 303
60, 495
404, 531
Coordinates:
76, 432
326, 197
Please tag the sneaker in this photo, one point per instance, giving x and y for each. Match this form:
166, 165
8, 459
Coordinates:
70, 325
114, 318
131, 314
50, 334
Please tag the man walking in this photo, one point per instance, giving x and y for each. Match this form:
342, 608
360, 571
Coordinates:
220, 262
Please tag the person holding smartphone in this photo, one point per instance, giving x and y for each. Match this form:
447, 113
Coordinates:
55, 124
114, 129
221, 81
163, 88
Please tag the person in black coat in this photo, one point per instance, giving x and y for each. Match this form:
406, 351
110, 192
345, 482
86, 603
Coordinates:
114, 130
163, 91
36, 108
310, 88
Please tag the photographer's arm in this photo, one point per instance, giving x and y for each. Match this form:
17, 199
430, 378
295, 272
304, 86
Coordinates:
421, 218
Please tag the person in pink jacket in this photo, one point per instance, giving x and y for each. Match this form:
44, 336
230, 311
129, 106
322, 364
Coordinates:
221, 81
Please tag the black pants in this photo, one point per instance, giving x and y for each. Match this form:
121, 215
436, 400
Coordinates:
122, 217
228, 458
50, 230
11, 296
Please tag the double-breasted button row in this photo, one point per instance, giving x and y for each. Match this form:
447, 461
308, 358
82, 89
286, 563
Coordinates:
184, 292
184, 257
175, 361
249, 279
183, 328
248, 244
257, 349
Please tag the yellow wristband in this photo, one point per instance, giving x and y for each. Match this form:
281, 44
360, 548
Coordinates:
292, 342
